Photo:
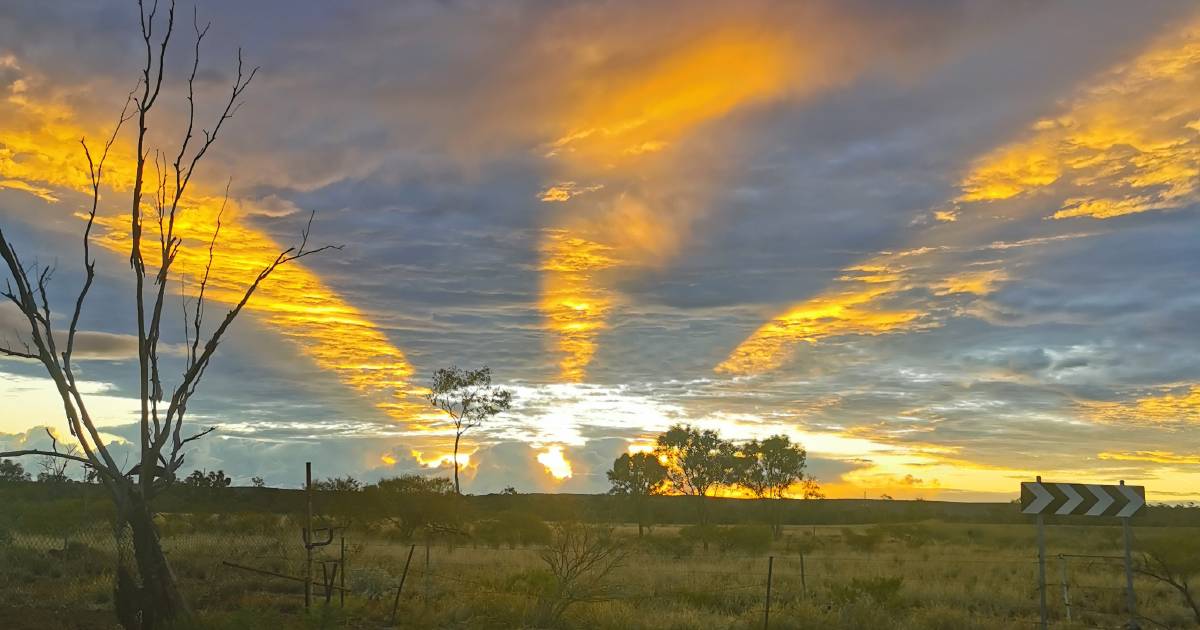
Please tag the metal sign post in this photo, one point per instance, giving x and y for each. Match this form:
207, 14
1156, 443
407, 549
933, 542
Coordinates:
1064, 499
1041, 542
1130, 598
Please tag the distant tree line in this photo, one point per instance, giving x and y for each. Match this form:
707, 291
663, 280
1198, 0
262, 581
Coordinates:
698, 462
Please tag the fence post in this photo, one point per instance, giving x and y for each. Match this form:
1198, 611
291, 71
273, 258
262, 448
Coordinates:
803, 578
1130, 597
1066, 593
767, 608
1041, 543
428, 584
403, 576
342, 594
308, 536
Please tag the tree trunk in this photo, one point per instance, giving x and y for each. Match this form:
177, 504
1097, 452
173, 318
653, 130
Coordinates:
457, 489
153, 599
639, 508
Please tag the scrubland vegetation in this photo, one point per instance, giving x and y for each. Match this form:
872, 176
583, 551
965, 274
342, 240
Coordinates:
562, 561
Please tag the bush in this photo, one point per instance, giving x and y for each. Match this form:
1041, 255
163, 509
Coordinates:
913, 535
698, 534
513, 529
867, 541
751, 539
884, 591
371, 582
674, 546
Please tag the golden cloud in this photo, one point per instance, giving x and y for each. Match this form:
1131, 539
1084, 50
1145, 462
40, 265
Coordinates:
1127, 143
40, 152
1154, 457
1177, 405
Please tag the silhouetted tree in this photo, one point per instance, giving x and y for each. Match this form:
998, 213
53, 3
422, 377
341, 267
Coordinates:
415, 501
148, 595
338, 484
469, 398
697, 461
204, 479
638, 476
257, 482
12, 471
54, 469
768, 468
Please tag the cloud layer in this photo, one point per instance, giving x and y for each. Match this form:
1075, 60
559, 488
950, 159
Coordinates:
946, 246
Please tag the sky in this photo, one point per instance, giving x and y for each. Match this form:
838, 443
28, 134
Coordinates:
947, 246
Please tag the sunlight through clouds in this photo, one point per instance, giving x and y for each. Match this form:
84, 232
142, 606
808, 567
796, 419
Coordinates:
1127, 144
40, 149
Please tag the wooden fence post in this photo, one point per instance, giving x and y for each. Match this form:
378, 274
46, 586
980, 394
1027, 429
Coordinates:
403, 576
767, 608
803, 578
1065, 590
308, 536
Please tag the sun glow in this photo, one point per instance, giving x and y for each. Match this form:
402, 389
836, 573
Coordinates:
442, 460
635, 120
555, 462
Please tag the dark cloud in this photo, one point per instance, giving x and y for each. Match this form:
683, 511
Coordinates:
418, 133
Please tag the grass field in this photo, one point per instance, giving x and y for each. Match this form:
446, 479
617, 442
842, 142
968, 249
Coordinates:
914, 575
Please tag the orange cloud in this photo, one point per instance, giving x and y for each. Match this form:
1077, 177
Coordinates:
1155, 457
41, 153
1179, 405
1127, 143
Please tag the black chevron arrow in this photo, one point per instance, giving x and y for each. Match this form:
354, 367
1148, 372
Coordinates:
1089, 499
1082, 499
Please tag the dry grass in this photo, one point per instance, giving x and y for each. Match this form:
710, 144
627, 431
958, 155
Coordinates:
950, 576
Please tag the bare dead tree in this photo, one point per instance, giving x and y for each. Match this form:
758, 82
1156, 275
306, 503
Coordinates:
54, 469
580, 559
1174, 561
155, 600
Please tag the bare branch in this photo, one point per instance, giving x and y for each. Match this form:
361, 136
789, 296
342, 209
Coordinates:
74, 458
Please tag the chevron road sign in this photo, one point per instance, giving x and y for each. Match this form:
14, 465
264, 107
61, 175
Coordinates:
1061, 499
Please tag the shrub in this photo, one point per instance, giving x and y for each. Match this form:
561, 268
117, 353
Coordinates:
693, 534
913, 535
514, 529
884, 591
371, 582
867, 541
751, 539
674, 546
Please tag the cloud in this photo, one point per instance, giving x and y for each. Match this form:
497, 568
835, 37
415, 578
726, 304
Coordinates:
89, 344
1127, 143
685, 209
41, 146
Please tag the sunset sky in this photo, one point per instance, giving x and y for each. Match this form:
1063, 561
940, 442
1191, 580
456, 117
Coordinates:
947, 246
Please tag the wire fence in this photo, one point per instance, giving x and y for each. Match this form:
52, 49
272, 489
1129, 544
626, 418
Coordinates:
266, 560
